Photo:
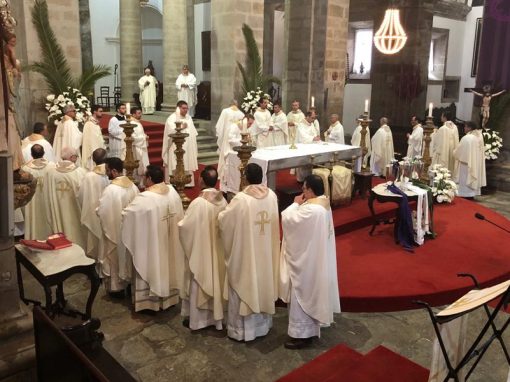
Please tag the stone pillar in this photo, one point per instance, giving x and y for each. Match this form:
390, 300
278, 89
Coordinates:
175, 48
228, 47
315, 62
86, 37
130, 33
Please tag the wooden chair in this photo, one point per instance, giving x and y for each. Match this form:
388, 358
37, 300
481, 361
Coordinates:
104, 97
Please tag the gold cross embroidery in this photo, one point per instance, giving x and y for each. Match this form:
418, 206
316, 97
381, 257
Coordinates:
40, 182
263, 221
63, 186
168, 215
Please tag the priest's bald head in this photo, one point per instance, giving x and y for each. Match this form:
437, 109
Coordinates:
253, 173
99, 156
153, 175
114, 167
208, 177
37, 151
383, 121
70, 154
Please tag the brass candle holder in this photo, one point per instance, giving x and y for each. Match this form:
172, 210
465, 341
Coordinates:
130, 163
180, 178
244, 153
428, 129
365, 123
292, 137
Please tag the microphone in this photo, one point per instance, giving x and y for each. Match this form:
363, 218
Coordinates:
479, 216
115, 68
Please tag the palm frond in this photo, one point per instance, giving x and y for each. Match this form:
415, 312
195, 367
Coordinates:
53, 65
90, 76
244, 87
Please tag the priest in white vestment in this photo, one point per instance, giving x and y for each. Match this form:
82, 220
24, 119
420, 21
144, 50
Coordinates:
114, 267
315, 119
186, 85
92, 138
295, 116
116, 143
37, 225
308, 271
251, 237
382, 149
200, 238
61, 187
67, 134
91, 189
38, 137
262, 129
335, 132
446, 140
470, 155
228, 116
189, 146
306, 133
356, 140
415, 139
140, 142
151, 238
148, 86
280, 126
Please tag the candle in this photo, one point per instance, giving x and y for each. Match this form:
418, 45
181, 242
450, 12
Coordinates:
245, 126
366, 106
431, 106
313, 101
128, 108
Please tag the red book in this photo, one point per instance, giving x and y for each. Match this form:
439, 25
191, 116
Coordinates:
54, 241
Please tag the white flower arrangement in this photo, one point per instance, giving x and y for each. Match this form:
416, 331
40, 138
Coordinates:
55, 105
493, 142
444, 188
252, 99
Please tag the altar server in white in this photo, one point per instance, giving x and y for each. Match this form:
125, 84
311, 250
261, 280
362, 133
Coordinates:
61, 187
190, 145
306, 133
262, 129
37, 225
151, 238
280, 125
382, 148
228, 116
200, 238
92, 138
251, 238
116, 143
140, 142
335, 132
148, 86
470, 155
38, 137
67, 134
91, 189
415, 139
186, 85
295, 116
356, 140
114, 268
445, 141
308, 268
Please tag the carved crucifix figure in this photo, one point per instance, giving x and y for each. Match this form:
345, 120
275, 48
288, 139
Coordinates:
486, 102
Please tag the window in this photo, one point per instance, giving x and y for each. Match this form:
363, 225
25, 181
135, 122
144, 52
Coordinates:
362, 51
438, 53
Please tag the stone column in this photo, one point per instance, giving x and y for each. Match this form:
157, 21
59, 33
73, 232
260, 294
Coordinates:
228, 47
315, 62
130, 31
86, 37
175, 48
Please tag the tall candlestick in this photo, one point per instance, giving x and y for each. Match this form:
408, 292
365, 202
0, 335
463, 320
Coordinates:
366, 106
128, 108
431, 106
313, 101
245, 125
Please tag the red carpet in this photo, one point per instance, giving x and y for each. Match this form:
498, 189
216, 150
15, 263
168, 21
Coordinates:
344, 364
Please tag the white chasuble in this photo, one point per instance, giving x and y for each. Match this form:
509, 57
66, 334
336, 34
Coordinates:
61, 186
382, 150
116, 143
335, 133
37, 226
470, 155
190, 145
148, 86
67, 135
187, 93
92, 140
260, 133
151, 238
356, 141
113, 265
140, 147
228, 116
281, 129
90, 192
36, 139
306, 132
308, 259
200, 237
445, 141
415, 142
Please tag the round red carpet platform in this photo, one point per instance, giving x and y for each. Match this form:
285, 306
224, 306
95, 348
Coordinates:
376, 275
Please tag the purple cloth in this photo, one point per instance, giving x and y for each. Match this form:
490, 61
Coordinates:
404, 228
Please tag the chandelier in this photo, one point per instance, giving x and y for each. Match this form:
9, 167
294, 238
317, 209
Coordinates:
390, 38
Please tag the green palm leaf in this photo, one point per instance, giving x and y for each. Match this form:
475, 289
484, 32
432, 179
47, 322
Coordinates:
90, 76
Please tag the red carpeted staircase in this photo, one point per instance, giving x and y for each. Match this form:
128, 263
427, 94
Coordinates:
345, 364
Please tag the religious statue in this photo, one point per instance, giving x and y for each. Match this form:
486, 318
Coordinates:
486, 102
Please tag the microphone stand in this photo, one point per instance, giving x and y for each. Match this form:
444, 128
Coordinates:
481, 217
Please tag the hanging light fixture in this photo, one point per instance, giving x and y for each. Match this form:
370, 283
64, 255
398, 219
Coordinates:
390, 38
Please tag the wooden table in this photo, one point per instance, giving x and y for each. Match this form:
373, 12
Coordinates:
52, 268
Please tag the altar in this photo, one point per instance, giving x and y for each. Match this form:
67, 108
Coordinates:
273, 159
